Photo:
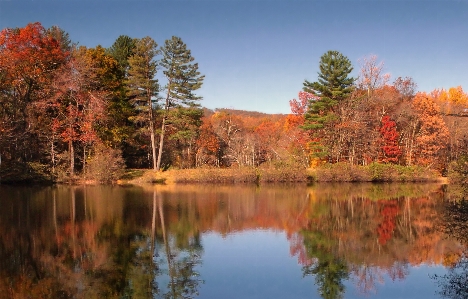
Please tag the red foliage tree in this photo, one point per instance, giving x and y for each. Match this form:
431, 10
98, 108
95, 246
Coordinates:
391, 152
28, 57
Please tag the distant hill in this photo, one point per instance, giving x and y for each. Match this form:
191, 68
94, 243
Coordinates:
244, 113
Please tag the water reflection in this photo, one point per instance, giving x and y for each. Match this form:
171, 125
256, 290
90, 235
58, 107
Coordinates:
454, 284
134, 242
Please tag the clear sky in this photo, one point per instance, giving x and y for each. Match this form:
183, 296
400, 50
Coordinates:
255, 54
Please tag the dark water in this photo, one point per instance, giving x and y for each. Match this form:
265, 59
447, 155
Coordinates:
325, 241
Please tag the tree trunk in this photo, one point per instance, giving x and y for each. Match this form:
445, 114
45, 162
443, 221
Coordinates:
163, 127
153, 148
52, 154
153, 139
161, 143
72, 158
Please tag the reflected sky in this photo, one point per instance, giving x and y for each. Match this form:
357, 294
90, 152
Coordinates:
258, 264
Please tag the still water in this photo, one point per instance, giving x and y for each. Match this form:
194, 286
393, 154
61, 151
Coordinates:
185, 241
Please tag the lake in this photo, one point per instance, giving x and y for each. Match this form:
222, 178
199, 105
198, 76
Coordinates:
239, 241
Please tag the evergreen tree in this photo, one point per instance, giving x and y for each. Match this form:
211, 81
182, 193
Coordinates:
121, 50
333, 81
62, 37
332, 86
183, 78
143, 87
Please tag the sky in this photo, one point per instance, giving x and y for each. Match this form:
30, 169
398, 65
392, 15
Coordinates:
255, 54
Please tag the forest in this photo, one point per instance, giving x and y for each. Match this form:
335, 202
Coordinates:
69, 111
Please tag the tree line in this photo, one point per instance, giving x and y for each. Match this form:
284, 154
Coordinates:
69, 110
368, 120
86, 110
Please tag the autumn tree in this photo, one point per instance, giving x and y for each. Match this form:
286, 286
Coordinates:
295, 139
144, 87
268, 136
235, 138
208, 145
76, 105
371, 76
29, 58
433, 134
406, 87
390, 150
183, 78
62, 37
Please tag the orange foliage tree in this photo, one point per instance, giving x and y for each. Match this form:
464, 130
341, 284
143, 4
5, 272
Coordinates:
208, 143
433, 134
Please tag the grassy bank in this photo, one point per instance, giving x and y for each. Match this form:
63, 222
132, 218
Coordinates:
340, 172
375, 172
217, 175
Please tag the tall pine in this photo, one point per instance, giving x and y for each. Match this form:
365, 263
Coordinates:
183, 78
143, 86
332, 86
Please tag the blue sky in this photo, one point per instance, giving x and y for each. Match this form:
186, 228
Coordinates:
255, 54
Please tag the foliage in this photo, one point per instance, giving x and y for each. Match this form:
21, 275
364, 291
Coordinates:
374, 172
122, 49
333, 82
455, 224
183, 78
143, 87
433, 134
390, 135
105, 164
371, 77
458, 170
58, 101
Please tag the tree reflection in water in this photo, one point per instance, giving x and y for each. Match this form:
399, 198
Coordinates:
181, 261
455, 283
129, 242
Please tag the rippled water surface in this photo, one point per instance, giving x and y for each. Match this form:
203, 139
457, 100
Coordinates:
323, 241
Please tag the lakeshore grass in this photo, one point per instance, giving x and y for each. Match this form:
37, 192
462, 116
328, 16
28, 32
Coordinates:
339, 172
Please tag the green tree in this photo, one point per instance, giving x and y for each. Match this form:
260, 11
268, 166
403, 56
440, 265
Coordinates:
183, 78
122, 49
333, 81
143, 87
332, 87
62, 37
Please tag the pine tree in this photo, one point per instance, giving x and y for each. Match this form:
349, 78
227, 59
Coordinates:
183, 78
333, 81
332, 86
121, 50
143, 86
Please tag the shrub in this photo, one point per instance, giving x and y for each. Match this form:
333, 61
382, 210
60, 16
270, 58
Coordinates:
282, 173
342, 172
458, 170
105, 165
375, 172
